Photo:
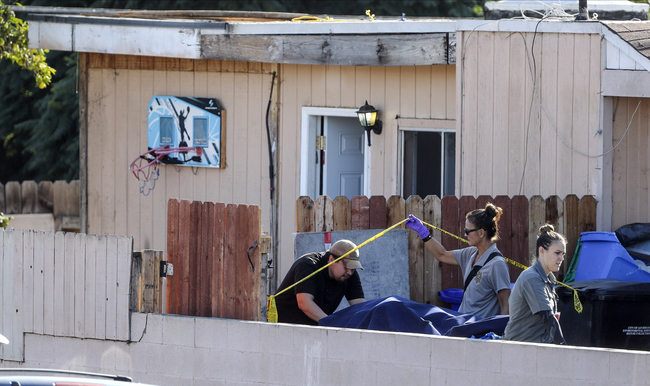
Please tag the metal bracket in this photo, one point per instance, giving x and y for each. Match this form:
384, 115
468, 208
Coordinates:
166, 269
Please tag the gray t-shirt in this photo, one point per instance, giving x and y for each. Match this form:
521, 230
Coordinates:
533, 292
480, 297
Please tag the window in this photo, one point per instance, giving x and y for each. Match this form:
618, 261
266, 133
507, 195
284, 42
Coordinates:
166, 130
429, 162
200, 132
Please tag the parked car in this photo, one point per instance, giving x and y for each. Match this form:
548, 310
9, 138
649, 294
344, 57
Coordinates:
49, 377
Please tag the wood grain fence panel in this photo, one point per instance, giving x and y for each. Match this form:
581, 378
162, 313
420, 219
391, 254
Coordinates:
193, 257
432, 267
11, 294
13, 199
29, 191
304, 214
254, 279
48, 283
450, 273
217, 254
230, 263
466, 204
323, 210
39, 252
59, 280
242, 266
205, 261
415, 206
45, 197
101, 280
483, 200
520, 208
90, 298
60, 198
571, 228
173, 210
360, 207
148, 270
183, 267
111, 290
79, 284
395, 211
342, 214
377, 212
74, 203
555, 213
28, 280
505, 225
587, 211
536, 218
69, 284
159, 283
6, 242
124, 253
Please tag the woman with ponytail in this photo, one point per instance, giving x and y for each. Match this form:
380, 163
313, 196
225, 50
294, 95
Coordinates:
533, 304
485, 271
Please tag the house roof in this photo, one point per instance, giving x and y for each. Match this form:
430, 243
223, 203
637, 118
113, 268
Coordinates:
634, 33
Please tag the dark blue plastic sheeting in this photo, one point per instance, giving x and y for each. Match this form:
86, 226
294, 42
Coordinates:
398, 314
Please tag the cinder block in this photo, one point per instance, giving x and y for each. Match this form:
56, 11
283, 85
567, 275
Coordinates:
412, 350
211, 333
257, 368
518, 358
501, 379
123, 361
39, 348
628, 367
177, 361
391, 374
100, 353
69, 351
438, 377
483, 355
276, 338
289, 370
209, 382
369, 371
448, 353
153, 357
203, 362
138, 323
153, 327
591, 365
558, 358
178, 330
344, 344
243, 336
377, 347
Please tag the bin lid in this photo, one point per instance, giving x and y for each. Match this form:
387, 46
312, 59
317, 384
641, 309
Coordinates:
599, 236
607, 289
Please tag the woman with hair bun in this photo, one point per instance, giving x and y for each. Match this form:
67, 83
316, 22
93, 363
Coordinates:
533, 304
485, 271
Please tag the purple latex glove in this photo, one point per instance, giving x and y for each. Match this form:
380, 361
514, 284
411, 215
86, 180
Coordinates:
415, 224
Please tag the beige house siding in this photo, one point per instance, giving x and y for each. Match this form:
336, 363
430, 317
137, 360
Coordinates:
119, 91
630, 194
508, 144
408, 92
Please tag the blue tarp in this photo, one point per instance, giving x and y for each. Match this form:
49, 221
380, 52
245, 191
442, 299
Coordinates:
398, 314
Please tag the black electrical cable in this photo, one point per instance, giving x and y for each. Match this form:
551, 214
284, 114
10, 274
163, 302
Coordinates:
268, 138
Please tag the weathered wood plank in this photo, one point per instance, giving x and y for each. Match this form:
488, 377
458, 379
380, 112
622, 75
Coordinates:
395, 211
217, 254
450, 219
173, 207
137, 280
205, 263
60, 202
59, 280
323, 210
193, 258
13, 203
414, 206
48, 283
342, 214
29, 191
28, 281
571, 228
377, 212
432, 267
101, 280
466, 204
505, 225
520, 250
182, 268
360, 207
148, 277
304, 214
555, 213
123, 257
45, 197
347, 50
68, 284
111, 287
587, 210
230, 263
536, 218
39, 280
79, 284
252, 284
159, 284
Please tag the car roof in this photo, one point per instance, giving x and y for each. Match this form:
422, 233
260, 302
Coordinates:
49, 377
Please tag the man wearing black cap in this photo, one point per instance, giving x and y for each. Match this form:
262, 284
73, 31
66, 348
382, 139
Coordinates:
321, 294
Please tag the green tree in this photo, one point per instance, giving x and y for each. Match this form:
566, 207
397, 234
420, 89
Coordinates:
14, 46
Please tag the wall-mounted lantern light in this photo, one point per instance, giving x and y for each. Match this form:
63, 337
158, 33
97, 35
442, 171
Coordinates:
368, 119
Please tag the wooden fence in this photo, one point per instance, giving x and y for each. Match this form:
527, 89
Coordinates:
521, 218
208, 244
59, 198
63, 284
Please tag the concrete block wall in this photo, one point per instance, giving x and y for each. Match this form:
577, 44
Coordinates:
179, 350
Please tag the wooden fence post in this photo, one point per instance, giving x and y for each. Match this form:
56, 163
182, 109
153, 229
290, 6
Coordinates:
135, 300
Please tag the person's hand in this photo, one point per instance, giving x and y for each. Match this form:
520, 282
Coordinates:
415, 224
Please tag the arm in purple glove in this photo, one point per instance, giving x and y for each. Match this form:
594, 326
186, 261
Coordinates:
415, 224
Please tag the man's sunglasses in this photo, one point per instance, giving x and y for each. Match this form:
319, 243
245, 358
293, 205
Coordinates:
468, 231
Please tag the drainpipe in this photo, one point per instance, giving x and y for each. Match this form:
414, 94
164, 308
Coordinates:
583, 10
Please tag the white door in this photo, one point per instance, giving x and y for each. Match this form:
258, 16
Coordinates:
343, 163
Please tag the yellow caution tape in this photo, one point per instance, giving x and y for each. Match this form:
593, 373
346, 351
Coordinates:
272, 313
312, 19
576, 299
